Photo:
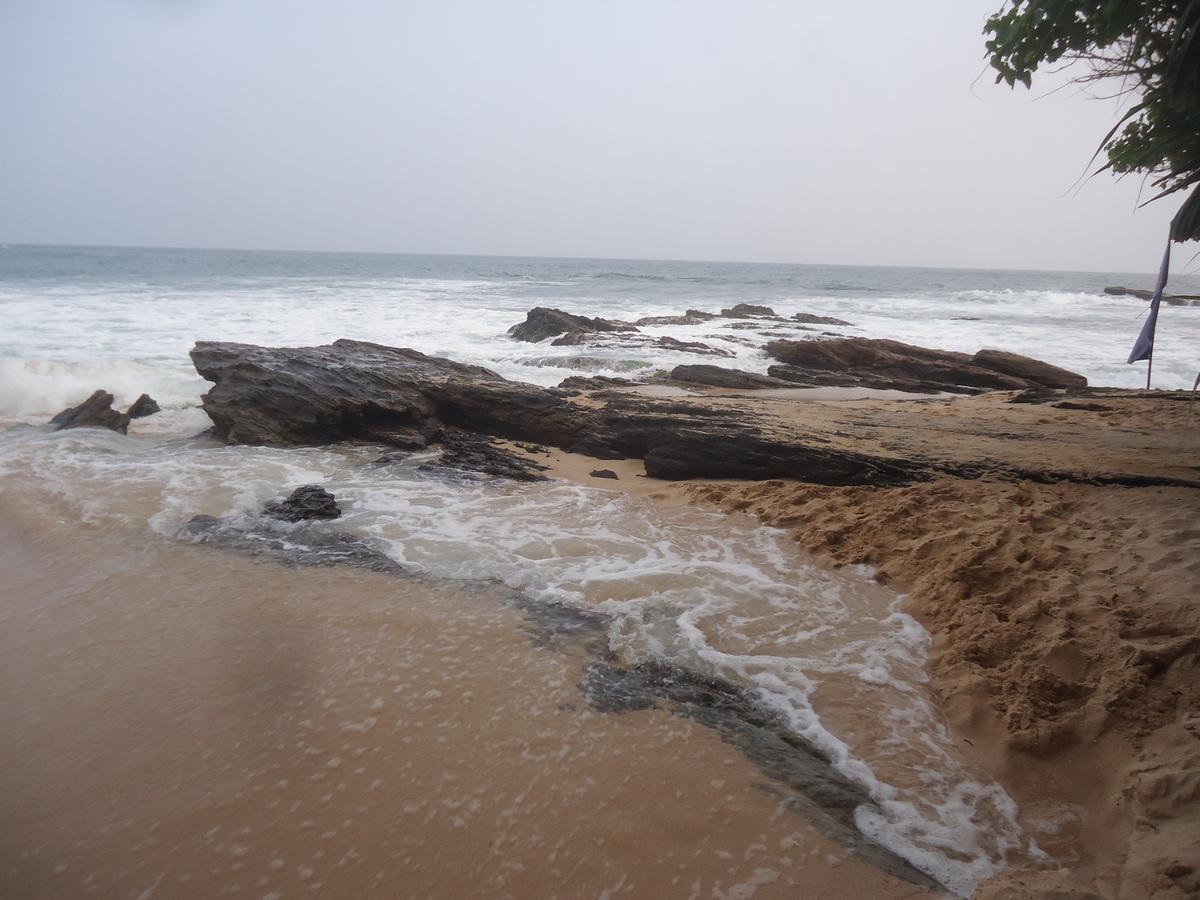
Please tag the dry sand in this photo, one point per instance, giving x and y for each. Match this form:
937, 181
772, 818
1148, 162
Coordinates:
1066, 615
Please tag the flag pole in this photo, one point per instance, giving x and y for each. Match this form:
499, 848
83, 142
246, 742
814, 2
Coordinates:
1149, 366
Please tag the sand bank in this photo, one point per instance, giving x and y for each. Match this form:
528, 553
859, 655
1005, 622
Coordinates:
1065, 608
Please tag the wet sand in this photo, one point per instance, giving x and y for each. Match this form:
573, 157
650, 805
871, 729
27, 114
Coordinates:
184, 722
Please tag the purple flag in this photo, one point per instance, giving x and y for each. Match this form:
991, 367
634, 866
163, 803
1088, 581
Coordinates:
1143, 348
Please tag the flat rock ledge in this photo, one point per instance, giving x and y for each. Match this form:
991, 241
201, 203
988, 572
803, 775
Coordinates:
359, 391
892, 365
355, 390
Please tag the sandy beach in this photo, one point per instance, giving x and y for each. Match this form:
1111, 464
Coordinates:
1065, 616
187, 723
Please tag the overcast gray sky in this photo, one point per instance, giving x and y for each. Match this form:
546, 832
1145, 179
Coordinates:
787, 131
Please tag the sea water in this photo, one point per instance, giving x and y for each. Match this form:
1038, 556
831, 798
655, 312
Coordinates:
73, 319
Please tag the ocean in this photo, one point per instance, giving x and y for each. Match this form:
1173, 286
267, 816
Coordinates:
829, 651
77, 318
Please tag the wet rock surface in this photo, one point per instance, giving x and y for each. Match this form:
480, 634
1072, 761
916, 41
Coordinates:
745, 310
543, 322
604, 473
94, 412
478, 454
892, 365
352, 390
690, 317
310, 501
300, 544
810, 319
719, 376
143, 406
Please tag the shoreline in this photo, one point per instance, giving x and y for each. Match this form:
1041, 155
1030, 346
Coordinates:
233, 725
1102, 758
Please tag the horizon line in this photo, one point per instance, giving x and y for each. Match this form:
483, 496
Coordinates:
638, 259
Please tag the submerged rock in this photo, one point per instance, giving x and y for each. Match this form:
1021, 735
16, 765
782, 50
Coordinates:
542, 322
810, 319
479, 454
604, 473
143, 406
745, 310
691, 317
892, 365
94, 412
310, 501
303, 544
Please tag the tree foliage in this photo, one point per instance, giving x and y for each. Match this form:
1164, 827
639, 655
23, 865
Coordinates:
1149, 49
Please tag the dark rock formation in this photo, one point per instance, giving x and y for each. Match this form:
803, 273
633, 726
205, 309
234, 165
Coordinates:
310, 501
479, 454
691, 317
670, 343
717, 376
353, 390
810, 319
1169, 299
1032, 370
744, 310
94, 412
581, 338
604, 473
862, 362
593, 382
543, 322
302, 544
315, 395
143, 406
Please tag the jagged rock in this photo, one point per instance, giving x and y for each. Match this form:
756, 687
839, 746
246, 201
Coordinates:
810, 319
310, 501
718, 376
743, 310
479, 454
603, 473
571, 339
691, 317
94, 412
542, 322
670, 343
143, 406
354, 390
315, 395
862, 362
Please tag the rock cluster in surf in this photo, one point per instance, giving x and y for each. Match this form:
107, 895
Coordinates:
97, 412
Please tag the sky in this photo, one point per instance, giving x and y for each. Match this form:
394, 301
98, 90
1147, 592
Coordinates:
790, 131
